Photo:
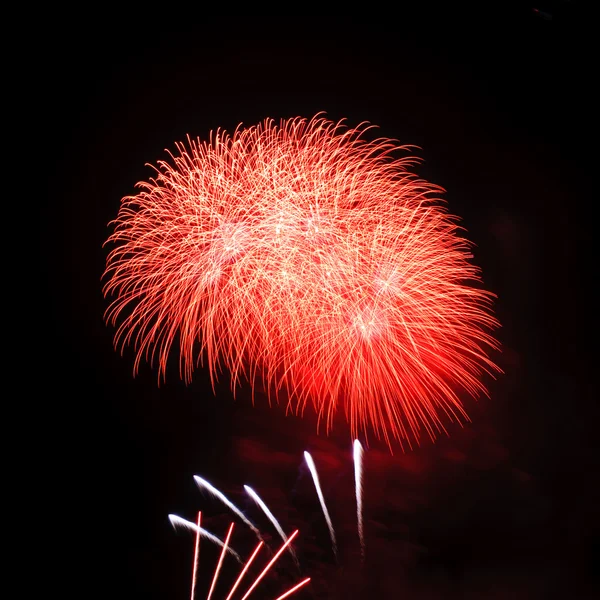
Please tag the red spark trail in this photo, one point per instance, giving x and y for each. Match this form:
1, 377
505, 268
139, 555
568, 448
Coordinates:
312, 259
295, 588
196, 554
271, 563
243, 572
177, 521
221, 557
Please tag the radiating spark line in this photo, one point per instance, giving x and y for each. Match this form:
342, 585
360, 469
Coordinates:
218, 569
273, 560
313, 470
246, 567
196, 555
358, 477
177, 521
271, 518
202, 483
295, 588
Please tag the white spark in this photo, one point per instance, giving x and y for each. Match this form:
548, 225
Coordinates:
313, 470
358, 476
179, 522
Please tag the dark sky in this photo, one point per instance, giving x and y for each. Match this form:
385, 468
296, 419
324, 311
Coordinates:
500, 102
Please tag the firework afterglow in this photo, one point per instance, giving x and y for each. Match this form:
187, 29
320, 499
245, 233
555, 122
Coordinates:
312, 259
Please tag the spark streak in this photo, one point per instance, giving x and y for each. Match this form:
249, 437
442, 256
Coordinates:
296, 587
203, 484
271, 517
219, 564
313, 470
179, 522
246, 567
358, 476
196, 555
271, 563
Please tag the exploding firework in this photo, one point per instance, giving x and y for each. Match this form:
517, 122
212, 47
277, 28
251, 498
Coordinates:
311, 259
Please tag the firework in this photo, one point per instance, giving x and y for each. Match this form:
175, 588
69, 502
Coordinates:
225, 548
270, 516
315, 476
177, 521
205, 485
219, 564
311, 259
358, 484
196, 552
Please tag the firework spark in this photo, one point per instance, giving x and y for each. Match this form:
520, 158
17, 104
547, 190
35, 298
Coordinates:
220, 563
271, 563
225, 548
358, 478
203, 484
270, 516
294, 589
244, 570
196, 554
177, 521
315, 476
314, 260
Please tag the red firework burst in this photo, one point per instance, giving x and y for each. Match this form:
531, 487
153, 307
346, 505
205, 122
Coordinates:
312, 259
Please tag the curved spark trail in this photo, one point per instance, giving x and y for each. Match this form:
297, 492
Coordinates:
179, 522
358, 476
313, 471
271, 518
203, 484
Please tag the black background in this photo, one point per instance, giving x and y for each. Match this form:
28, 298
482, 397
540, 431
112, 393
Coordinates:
500, 102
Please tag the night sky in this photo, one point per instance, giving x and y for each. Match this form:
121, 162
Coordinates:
500, 103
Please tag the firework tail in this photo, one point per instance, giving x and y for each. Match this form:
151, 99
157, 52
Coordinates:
196, 556
271, 518
244, 570
295, 588
203, 484
177, 521
271, 563
313, 470
220, 563
358, 476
